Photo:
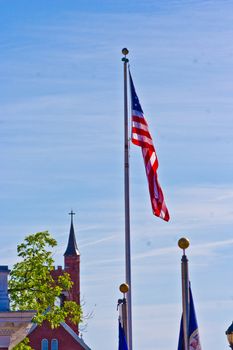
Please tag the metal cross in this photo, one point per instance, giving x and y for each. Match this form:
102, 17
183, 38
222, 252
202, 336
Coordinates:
72, 214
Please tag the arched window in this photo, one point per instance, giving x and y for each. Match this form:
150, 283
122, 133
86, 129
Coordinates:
44, 344
54, 344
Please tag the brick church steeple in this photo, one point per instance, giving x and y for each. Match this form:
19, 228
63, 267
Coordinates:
72, 264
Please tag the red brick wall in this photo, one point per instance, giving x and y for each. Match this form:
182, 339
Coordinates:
72, 266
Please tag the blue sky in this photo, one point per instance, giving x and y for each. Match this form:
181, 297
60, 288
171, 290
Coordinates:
61, 134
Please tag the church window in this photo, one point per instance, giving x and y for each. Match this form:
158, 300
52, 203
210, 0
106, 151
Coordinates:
54, 344
44, 344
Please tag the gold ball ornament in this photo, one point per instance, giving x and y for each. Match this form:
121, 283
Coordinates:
183, 243
125, 51
124, 288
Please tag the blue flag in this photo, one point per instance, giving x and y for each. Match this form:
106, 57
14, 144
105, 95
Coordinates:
194, 340
122, 338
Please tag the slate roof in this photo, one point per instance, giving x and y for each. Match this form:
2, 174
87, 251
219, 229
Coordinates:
72, 248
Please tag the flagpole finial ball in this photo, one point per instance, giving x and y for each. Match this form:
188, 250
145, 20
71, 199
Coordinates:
183, 243
125, 51
124, 288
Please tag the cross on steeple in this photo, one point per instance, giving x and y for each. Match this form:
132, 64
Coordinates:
72, 214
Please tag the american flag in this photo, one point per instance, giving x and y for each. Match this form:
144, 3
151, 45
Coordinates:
142, 138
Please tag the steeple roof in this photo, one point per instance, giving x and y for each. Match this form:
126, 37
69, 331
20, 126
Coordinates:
72, 248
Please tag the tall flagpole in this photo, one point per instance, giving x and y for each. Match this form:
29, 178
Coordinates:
184, 244
127, 207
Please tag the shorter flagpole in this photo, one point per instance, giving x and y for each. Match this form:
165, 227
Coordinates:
183, 243
124, 288
122, 307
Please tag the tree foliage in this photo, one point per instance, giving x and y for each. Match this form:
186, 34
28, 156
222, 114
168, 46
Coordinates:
32, 286
23, 345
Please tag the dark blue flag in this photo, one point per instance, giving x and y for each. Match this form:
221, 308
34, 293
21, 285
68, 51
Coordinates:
194, 340
122, 338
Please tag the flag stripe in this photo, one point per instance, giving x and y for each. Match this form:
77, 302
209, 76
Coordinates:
138, 115
139, 126
141, 137
137, 119
147, 156
138, 131
144, 139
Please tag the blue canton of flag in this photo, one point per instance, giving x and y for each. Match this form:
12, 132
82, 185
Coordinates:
122, 338
194, 340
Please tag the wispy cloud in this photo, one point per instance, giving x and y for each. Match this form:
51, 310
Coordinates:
62, 146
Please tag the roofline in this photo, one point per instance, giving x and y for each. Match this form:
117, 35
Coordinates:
75, 336
69, 330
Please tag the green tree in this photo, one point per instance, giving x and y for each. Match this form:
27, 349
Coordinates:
32, 286
23, 345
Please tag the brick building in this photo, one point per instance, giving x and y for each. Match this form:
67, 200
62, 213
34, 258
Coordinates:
66, 336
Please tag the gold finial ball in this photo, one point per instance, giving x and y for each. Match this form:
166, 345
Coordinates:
183, 243
124, 288
125, 51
